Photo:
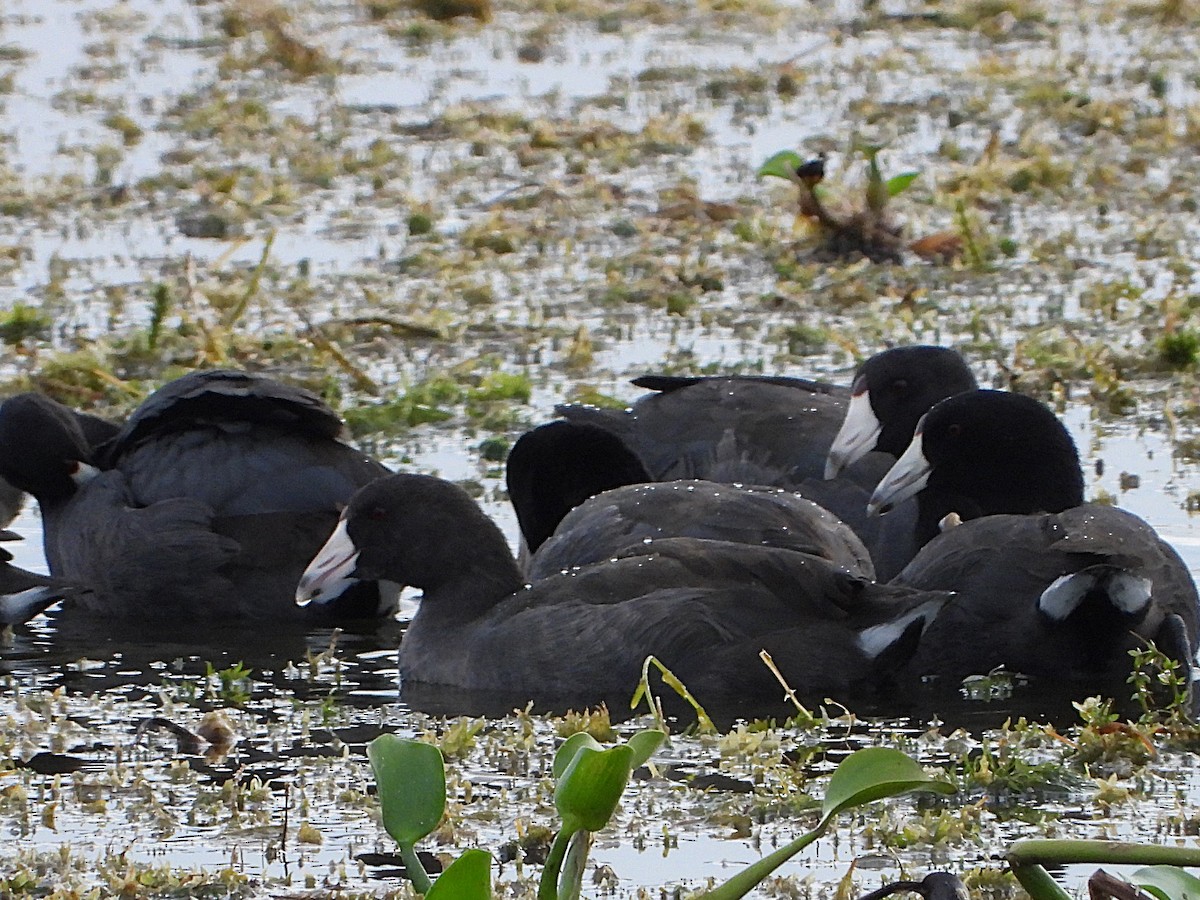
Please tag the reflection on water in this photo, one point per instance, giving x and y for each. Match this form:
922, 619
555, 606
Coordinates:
87, 656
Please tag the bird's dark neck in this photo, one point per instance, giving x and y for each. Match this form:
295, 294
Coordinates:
474, 586
1000, 497
934, 505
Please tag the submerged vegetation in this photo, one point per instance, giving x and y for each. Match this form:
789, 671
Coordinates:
446, 217
275, 794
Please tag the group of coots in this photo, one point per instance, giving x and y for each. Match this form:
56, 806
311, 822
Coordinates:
712, 520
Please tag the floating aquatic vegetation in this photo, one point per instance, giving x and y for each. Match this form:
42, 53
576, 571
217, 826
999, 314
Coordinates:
867, 229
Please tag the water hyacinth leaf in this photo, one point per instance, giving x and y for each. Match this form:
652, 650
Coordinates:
412, 786
570, 747
872, 774
643, 744
898, 183
467, 878
865, 775
782, 165
1038, 883
588, 791
1167, 883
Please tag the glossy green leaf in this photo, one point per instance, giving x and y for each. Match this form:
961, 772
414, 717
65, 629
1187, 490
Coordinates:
643, 744
570, 747
863, 776
872, 774
1062, 852
782, 165
590, 788
467, 878
898, 183
1167, 883
1038, 883
412, 786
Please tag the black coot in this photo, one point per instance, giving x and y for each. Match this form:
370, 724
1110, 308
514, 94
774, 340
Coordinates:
206, 504
1045, 584
705, 608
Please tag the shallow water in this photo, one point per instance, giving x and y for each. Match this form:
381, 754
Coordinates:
89, 226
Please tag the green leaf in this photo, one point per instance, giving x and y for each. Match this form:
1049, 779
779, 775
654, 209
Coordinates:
863, 776
1031, 852
872, 774
1167, 883
1038, 883
588, 791
643, 744
467, 878
570, 747
412, 786
898, 183
782, 165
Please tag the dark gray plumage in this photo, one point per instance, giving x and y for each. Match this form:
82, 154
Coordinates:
581, 496
206, 504
623, 520
790, 432
1045, 584
778, 429
705, 608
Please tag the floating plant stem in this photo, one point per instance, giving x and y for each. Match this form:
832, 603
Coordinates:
865, 775
704, 723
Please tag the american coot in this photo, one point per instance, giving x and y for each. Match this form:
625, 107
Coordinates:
777, 430
1045, 584
555, 467
24, 594
206, 504
704, 607
781, 431
890, 393
581, 496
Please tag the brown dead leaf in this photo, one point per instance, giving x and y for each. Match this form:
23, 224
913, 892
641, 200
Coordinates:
942, 247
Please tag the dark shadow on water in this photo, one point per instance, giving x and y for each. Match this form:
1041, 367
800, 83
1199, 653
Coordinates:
916, 706
89, 656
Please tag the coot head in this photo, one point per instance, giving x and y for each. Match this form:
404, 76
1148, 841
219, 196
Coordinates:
42, 447
555, 467
982, 453
411, 530
891, 391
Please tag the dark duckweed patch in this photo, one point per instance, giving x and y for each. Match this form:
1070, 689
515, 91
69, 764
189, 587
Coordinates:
446, 217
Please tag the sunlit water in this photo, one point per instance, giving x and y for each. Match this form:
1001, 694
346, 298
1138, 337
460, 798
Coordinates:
305, 725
